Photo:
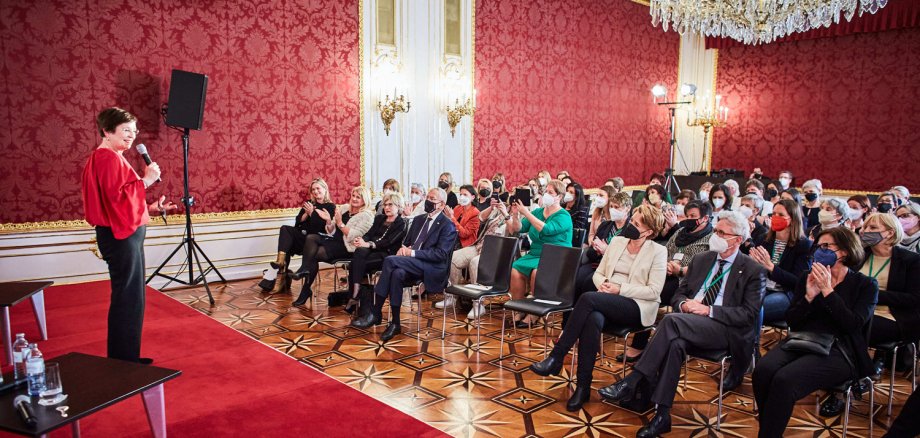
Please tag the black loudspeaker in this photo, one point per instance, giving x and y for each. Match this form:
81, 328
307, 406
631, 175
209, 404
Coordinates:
186, 99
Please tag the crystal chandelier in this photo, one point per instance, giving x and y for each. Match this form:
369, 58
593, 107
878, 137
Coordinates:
755, 21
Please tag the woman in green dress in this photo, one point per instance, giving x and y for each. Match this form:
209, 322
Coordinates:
549, 224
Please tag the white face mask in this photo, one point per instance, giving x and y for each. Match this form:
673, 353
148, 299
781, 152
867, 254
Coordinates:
717, 243
416, 198
464, 200
746, 211
853, 214
568, 197
718, 202
542, 181
387, 192
617, 215
548, 200
785, 182
827, 218
679, 209
598, 203
704, 195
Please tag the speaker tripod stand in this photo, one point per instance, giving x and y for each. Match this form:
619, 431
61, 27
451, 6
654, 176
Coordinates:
194, 253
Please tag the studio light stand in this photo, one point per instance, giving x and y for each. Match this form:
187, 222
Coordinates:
194, 253
669, 180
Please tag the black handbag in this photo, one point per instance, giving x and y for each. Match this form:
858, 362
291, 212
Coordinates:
809, 342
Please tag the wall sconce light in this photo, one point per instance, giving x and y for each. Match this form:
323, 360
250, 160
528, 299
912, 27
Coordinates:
457, 112
389, 107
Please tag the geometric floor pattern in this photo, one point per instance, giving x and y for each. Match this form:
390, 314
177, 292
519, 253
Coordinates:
460, 386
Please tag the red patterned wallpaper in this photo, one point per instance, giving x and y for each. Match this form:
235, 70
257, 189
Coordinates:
840, 109
564, 84
282, 104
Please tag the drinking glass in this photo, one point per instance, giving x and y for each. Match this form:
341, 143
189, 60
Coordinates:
54, 389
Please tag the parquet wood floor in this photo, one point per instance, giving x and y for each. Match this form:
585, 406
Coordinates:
464, 389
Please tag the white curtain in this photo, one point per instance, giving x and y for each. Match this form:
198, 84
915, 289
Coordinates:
698, 67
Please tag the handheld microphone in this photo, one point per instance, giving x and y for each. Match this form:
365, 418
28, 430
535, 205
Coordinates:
23, 405
141, 149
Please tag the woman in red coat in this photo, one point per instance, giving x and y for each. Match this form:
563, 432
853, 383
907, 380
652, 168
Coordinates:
465, 216
114, 201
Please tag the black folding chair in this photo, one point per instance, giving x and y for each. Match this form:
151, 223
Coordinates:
554, 289
493, 276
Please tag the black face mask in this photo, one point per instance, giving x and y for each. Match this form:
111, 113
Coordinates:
484, 192
496, 185
690, 224
630, 232
883, 207
429, 206
771, 193
811, 197
443, 185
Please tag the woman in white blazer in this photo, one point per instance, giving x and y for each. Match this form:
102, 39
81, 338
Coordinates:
629, 280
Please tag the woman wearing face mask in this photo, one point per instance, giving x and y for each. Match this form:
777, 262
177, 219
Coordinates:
785, 180
833, 302
784, 253
389, 186
812, 203
465, 216
574, 203
415, 205
618, 209
382, 239
690, 239
833, 213
498, 186
886, 203
704, 190
446, 182
535, 191
859, 208
628, 282
772, 193
599, 211
751, 208
909, 216
721, 200
549, 224
655, 195
543, 178
897, 271
483, 194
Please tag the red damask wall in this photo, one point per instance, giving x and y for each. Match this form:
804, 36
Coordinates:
282, 104
841, 109
564, 84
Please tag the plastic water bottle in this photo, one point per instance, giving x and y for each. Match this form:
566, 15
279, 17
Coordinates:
35, 371
20, 349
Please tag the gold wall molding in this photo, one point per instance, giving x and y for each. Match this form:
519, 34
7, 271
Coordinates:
197, 218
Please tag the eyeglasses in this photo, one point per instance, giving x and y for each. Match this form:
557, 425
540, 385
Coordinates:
724, 235
830, 246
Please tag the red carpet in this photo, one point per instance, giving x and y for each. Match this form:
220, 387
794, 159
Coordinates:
230, 385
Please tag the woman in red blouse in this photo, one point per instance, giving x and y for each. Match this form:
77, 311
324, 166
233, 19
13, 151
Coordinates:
114, 200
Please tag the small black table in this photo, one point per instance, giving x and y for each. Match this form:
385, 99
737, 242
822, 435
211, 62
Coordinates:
93, 383
11, 294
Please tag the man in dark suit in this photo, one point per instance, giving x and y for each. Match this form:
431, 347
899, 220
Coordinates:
716, 308
425, 255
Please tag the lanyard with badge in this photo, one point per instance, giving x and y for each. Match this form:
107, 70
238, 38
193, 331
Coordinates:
880, 269
614, 234
723, 274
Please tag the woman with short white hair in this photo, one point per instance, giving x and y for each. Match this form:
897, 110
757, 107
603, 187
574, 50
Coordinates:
812, 190
833, 213
902, 193
415, 203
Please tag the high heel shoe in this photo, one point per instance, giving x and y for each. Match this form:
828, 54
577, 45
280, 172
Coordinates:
300, 274
285, 283
279, 262
305, 294
351, 305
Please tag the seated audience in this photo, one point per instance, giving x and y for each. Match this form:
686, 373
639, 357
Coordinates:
599, 211
446, 183
886, 203
311, 219
425, 256
468, 257
389, 186
483, 194
812, 204
716, 308
833, 213
909, 214
574, 203
756, 187
619, 209
720, 198
628, 283
465, 216
784, 253
350, 221
859, 209
655, 195
785, 179
380, 241
832, 305
751, 208
691, 238
549, 224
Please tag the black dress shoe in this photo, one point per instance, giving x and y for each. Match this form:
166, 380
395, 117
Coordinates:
619, 391
305, 294
547, 367
391, 331
366, 321
660, 424
831, 407
731, 383
266, 285
619, 358
300, 274
581, 395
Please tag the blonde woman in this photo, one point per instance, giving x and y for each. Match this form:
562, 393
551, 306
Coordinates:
348, 222
446, 183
